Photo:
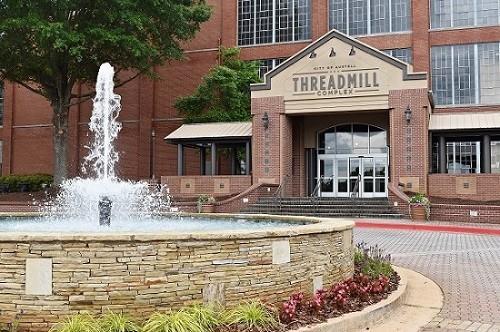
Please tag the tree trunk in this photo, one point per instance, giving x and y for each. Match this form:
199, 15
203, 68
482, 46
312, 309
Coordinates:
60, 121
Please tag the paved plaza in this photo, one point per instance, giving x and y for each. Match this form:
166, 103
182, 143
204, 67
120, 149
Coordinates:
466, 267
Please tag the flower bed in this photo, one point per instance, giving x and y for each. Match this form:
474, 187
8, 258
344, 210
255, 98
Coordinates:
373, 280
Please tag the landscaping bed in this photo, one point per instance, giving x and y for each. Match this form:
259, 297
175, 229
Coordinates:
373, 280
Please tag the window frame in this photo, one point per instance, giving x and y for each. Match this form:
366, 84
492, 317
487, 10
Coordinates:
455, 27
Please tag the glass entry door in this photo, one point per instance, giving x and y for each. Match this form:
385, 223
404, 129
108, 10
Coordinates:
352, 176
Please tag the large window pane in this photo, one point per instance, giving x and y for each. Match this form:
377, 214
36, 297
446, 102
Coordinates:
463, 157
360, 138
266, 65
380, 16
442, 74
489, 73
378, 140
403, 54
495, 156
361, 17
270, 21
344, 139
464, 74
463, 13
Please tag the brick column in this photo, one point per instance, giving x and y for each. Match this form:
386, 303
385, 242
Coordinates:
420, 35
266, 147
286, 153
409, 141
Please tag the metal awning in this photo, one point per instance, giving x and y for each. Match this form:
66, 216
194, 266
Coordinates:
211, 132
464, 121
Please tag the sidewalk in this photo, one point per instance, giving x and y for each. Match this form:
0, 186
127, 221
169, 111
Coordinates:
469, 228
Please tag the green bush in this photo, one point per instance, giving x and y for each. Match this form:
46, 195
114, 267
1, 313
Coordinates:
35, 182
372, 262
179, 321
250, 317
117, 322
77, 323
206, 316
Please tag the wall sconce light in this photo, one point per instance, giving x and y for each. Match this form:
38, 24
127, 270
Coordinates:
265, 120
408, 113
353, 51
332, 53
313, 55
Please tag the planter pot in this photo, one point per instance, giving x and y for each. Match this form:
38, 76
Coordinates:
418, 213
207, 208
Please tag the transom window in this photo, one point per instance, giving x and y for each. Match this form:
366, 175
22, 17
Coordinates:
364, 17
352, 139
464, 13
273, 21
466, 74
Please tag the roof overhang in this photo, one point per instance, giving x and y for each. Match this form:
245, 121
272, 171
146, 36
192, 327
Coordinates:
211, 132
464, 121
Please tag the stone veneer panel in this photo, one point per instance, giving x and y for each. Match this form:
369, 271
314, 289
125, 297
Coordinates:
141, 274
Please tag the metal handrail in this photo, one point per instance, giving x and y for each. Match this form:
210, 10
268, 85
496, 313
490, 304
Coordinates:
355, 191
315, 192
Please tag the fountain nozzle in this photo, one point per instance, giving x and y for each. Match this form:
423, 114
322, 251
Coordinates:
105, 211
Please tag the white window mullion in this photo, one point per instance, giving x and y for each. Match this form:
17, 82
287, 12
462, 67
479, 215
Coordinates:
474, 4
255, 21
451, 14
347, 19
478, 157
452, 48
293, 19
368, 17
390, 15
476, 72
274, 19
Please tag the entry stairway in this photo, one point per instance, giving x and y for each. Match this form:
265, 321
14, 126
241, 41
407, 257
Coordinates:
325, 207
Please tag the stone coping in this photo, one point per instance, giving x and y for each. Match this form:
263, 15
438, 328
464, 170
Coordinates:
359, 320
308, 225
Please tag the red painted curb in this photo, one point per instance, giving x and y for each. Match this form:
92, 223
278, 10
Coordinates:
436, 228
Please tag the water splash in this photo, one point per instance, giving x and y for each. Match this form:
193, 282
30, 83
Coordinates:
78, 198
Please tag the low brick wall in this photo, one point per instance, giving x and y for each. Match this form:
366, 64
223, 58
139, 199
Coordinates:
474, 187
140, 274
466, 213
218, 186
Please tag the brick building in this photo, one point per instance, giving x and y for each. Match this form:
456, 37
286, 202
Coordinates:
317, 127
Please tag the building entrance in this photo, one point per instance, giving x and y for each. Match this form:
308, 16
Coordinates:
343, 172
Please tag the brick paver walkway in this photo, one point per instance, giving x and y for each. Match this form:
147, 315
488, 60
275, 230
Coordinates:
467, 267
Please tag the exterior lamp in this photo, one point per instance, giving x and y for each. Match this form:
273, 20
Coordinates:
408, 112
265, 120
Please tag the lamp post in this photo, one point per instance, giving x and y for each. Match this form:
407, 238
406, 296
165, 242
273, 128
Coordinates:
408, 113
265, 120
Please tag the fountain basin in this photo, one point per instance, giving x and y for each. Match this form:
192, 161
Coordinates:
46, 276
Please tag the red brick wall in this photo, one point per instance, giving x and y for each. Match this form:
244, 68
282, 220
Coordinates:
466, 213
445, 186
417, 148
207, 185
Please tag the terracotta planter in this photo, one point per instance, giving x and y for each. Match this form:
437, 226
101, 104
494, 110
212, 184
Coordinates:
207, 208
418, 213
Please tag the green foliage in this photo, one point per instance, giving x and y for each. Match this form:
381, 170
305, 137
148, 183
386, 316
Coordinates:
117, 322
224, 93
54, 43
250, 317
206, 316
372, 262
35, 182
77, 323
180, 321
419, 199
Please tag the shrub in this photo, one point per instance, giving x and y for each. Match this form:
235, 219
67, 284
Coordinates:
117, 322
372, 262
179, 321
251, 316
206, 316
77, 323
35, 181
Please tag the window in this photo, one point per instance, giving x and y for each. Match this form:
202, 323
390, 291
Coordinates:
466, 74
273, 21
266, 65
403, 54
495, 156
1, 103
353, 139
363, 17
463, 157
464, 13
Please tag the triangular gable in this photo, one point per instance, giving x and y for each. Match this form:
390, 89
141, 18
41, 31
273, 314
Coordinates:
337, 65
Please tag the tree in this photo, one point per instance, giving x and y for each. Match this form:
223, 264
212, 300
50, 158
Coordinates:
50, 46
224, 93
